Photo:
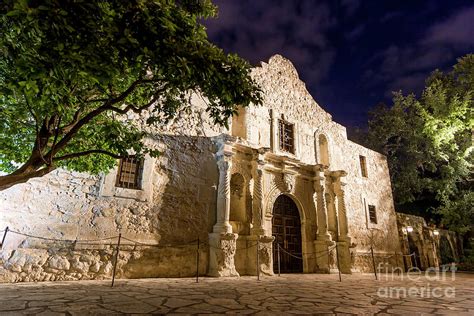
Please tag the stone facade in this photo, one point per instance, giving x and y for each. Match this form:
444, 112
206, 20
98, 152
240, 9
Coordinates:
216, 185
426, 246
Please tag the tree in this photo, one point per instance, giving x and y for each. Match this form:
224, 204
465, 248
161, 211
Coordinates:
429, 145
71, 69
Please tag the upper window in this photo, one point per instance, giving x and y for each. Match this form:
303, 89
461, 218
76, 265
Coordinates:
372, 214
363, 166
129, 173
287, 137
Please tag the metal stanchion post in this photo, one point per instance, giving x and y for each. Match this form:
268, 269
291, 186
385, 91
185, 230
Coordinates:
116, 259
373, 261
4, 236
278, 251
258, 259
338, 265
197, 262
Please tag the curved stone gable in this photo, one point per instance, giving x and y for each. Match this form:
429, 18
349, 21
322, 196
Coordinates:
285, 92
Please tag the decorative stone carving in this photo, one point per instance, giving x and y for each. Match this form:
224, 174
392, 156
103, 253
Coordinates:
285, 182
290, 181
279, 182
238, 167
265, 252
320, 202
272, 194
223, 196
338, 187
323, 257
221, 254
257, 201
237, 185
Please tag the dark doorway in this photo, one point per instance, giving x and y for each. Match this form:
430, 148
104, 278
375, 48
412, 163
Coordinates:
415, 260
287, 232
446, 252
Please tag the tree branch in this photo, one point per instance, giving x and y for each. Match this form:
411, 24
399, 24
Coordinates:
106, 107
12, 179
89, 116
87, 152
66, 128
131, 107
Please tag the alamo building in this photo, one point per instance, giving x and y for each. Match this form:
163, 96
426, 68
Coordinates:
282, 184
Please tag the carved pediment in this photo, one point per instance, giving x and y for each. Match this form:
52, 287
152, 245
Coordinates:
284, 182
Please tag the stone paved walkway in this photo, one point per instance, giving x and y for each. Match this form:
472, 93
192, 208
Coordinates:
296, 294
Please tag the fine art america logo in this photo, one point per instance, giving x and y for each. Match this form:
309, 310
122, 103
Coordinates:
422, 288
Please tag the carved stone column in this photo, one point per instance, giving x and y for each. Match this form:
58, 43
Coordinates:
258, 231
343, 229
223, 196
257, 201
222, 242
343, 239
320, 201
323, 238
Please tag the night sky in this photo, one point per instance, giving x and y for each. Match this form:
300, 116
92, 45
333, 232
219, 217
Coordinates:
350, 53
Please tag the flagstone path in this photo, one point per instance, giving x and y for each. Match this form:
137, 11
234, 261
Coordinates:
288, 294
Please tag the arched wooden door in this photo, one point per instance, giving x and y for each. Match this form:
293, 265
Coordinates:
287, 232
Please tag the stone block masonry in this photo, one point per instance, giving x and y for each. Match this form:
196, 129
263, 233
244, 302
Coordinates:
223, 186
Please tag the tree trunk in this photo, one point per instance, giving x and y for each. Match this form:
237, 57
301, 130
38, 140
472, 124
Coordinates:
10, 180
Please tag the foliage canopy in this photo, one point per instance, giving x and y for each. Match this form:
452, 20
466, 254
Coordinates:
429, 142
70, 68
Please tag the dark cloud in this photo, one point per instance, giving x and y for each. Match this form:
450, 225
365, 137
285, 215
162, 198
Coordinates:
350, 53
390, 16
294, 29
406, 83
406, 67
350, 6
457, 29
355, 33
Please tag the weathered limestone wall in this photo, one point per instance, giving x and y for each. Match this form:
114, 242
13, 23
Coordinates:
431, 246
179, 201
375, 189
286, 94
70, 205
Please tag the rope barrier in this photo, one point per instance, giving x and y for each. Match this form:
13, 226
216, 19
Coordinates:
93, 242
308, 254
288, 253
61, 240
196, 242
237, 248
192, 242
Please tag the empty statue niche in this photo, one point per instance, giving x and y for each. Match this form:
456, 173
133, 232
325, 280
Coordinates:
331, 215
322, 153
238, 127
238, 204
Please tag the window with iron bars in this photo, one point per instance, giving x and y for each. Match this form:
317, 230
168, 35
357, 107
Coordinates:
129, 173
287, 140
372, 214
